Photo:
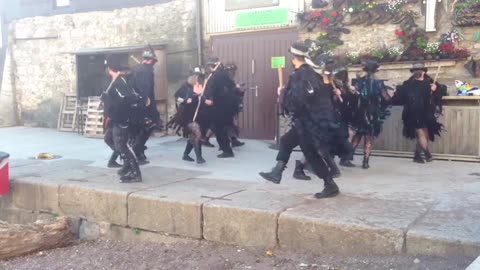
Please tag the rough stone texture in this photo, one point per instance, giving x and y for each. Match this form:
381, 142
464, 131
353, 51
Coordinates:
44, 72
364, 38
8, 115
20, 216
135, 235
248, 218
35, 196
108, 206
446, 233
348, 225
177, 208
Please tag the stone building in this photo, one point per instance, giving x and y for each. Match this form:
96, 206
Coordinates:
45, 46
56, 47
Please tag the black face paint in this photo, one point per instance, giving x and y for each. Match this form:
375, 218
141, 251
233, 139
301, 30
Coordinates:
417, 74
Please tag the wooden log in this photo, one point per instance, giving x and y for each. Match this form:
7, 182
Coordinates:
19, 240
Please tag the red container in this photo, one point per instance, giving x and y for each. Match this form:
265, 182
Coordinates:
4, 186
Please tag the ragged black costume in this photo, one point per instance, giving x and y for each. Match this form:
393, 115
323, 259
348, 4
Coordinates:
125, 110
307, 100
421, 106
370, 110
421, 98
219, 90
191, 116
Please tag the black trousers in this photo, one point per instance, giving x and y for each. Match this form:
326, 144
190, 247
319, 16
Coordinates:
141, 136
108, 138
121, 138
221, 133
291, 139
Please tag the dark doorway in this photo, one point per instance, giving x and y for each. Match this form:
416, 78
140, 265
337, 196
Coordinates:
252, 53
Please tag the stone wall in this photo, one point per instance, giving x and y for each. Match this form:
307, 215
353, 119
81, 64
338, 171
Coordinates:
374, 36
363, 38
44, 71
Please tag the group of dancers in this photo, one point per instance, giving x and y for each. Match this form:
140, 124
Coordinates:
329, 115
208, 104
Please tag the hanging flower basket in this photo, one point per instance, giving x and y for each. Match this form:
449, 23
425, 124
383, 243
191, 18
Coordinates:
462, 18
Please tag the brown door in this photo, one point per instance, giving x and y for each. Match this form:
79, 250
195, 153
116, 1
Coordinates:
252, 53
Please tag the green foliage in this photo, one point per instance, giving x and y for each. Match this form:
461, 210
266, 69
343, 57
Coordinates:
476, 36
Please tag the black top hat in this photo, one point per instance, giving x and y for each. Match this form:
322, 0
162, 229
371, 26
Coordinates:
418, 66
213, 60
371, 66
299, 48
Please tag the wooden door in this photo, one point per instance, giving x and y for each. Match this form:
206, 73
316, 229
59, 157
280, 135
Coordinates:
252, 53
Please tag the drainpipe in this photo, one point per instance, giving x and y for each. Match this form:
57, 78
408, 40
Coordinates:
198, 23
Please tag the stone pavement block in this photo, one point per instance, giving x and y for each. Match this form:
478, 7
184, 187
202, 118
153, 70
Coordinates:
27, 194
94, 204
248, 218
446, 233
348, 225
177, 208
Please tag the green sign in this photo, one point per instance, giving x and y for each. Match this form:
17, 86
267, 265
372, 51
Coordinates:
261, 18
278, 61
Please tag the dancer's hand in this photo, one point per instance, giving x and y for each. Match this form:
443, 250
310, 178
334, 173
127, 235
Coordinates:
279, 90
147, 103
209, 102
189, 100
337, 92
433, 87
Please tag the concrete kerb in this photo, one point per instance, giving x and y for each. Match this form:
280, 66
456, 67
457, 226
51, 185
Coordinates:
179, 207
348, 225
235, 213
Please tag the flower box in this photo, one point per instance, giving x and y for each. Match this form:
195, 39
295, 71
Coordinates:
461, 18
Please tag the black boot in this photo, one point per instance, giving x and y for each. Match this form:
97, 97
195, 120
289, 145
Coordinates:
346, 163
133, 175
417, 158
298, 173
330, 189
428, 156
112, 162
275, 176
186, 154
226, 155
334, 170
198, 153
365, 164
125, 168
142, 159
206, 142
237, 143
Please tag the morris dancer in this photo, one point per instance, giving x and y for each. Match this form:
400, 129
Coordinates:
421, 97
371, 109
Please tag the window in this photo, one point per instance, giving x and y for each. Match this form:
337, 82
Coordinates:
62, 3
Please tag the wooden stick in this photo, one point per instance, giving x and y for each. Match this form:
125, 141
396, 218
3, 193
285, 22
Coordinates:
436, 74
200, 96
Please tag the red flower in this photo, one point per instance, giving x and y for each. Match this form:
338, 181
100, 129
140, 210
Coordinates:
325, 20
447, 47
334, 14
399, 33
316, 13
